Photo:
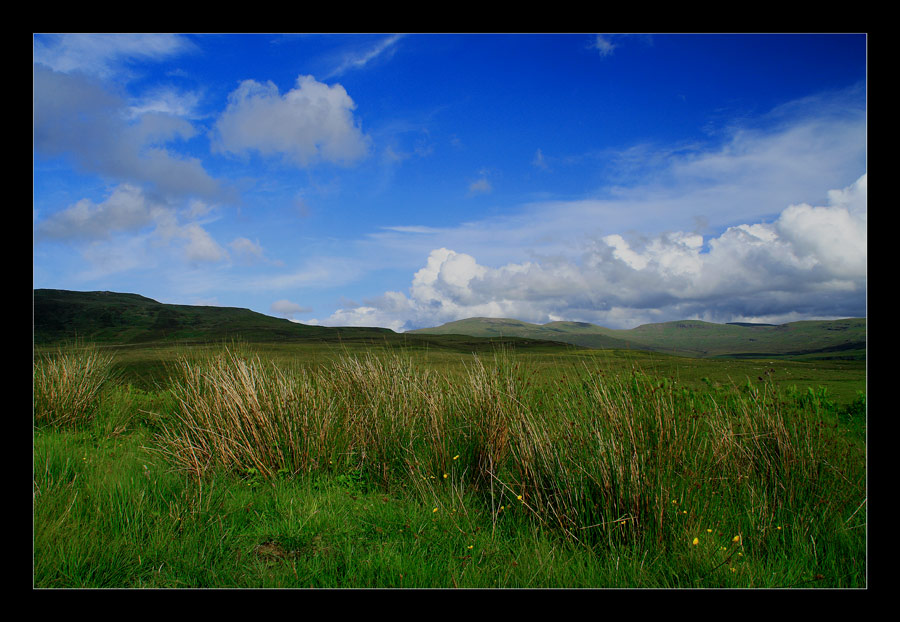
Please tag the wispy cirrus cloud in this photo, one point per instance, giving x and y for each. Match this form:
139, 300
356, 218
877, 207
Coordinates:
359, 58
106, 54
167, 100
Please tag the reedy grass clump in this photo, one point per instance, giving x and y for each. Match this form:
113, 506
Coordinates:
67, 386
239, 414
617, 460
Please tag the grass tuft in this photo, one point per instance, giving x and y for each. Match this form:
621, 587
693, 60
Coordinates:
67, 386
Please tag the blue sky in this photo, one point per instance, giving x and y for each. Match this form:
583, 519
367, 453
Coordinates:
410, 180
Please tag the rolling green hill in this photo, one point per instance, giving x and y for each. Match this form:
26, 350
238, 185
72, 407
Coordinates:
117, 318
845, 339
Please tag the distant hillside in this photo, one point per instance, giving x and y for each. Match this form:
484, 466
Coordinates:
117, 318
811, 339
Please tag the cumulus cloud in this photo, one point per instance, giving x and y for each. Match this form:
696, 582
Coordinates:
312, 122
747, 174
78, 117
126, 209
810, 260
101, 229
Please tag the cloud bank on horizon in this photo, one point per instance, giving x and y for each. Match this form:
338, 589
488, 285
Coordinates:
808, 258
423, 179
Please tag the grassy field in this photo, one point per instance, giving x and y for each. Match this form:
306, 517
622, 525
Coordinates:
303, 465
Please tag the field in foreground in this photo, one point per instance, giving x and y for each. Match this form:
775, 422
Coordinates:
308, 468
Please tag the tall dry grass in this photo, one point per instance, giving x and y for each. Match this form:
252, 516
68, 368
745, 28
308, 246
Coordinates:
67, 386
241, 414
606, 458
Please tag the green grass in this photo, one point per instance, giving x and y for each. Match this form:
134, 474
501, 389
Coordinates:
273, 466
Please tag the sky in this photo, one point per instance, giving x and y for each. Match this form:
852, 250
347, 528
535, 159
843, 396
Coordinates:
409, 180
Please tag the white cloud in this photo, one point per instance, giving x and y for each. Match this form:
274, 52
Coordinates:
720, 232
246, 249
288, 309
118, 255
131, 230
358, 59
412, 229
105, 54
318, 272
747, 175
77, 117
481, 185
312, 122
833, 237
166, 100
126, 209
604, 45
199, 245
809, 258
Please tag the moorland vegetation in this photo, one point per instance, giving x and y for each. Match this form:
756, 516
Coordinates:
354, 464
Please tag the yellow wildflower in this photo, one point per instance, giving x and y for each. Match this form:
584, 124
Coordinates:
696, 541
456, 457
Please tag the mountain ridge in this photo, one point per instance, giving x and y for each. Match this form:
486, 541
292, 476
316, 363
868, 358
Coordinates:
843, 338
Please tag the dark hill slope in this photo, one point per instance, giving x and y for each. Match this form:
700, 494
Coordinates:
129, 318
